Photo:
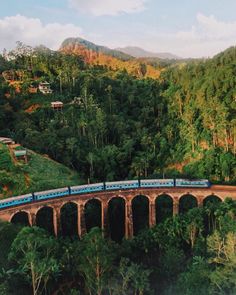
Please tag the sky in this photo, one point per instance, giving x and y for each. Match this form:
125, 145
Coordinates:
187, 28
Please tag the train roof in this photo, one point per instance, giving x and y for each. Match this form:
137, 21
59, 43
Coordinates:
121, 182
186, 179
15, 198
87, 185
157, 180
63, 189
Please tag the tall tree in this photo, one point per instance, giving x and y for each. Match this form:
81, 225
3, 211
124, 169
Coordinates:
34, 253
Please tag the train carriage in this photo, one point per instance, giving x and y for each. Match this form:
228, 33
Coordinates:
157, 183
50, 194
14, 201
122, 184
192, 183
87, 188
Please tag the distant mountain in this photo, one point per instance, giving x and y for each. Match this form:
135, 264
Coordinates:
93, 54
139, 52
96, 48
42, 49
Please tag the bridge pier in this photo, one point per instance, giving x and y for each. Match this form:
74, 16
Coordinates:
81, 220
200, 201
56, 220
175, 207
128, 220
32, 218
104, 217
152, 212
79, 231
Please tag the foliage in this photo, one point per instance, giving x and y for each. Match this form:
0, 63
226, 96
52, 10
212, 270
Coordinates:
97, 257
34, 251
119, 124
39, 173
115, 126
160, 260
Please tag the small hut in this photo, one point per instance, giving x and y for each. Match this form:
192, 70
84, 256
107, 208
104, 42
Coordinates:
44, 87
6, 140
21, 155
57, 105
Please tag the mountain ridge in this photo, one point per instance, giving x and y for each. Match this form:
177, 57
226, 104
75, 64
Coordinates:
140, 52
93, 54
97, 48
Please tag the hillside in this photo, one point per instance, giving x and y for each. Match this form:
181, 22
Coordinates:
118, 126
96, 48
93, 54
140, 52
40, 173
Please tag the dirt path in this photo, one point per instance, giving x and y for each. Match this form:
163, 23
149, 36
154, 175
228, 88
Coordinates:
11, 148
27, 179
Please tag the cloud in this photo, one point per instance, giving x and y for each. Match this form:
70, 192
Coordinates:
108, 7
209, 28
207, 37
33, 32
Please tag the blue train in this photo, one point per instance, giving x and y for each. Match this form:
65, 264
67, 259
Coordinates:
103, 186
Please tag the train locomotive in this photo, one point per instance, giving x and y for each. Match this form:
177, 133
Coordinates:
103, 186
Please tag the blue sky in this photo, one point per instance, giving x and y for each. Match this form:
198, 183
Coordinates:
188, 28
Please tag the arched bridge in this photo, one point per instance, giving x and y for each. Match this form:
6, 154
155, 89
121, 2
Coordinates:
175, 197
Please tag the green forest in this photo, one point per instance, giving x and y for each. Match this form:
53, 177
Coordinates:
115, 126
192, 253
118, 126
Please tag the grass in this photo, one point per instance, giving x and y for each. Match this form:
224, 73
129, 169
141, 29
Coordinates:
40, 173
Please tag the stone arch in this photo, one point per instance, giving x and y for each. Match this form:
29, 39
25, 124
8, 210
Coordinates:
116, 218
62, 204
164, 207
140, 212
20, 217
213, 199
69, 219
43, 206
93, 198
93, 213
144, 195
187, 202
117, 196
44, 218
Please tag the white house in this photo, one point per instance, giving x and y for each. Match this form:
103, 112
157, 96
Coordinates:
44, 87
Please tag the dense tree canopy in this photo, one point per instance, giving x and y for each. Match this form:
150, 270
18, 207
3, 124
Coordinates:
179, 256
115, 126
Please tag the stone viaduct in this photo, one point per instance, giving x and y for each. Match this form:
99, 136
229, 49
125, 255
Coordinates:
176, 195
